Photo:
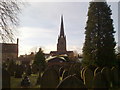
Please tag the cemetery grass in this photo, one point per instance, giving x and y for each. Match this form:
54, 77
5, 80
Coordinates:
16, 82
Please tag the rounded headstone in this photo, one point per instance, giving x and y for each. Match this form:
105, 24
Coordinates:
98, 69
50, 79
71, 82
5, 79
115, 77
99, 83
106, 75
65, 74
61, 70
88, 77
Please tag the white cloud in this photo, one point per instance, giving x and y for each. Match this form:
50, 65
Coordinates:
28, 32
67, 0
40, 23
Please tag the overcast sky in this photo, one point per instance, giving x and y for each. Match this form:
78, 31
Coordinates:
40, 25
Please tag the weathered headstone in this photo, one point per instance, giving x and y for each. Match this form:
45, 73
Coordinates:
65, 74
5, 79
71, 82
82, 72
88, 78
50, 79
115, 77
74, 69
99, 83
106, 75
98, 69
61, 70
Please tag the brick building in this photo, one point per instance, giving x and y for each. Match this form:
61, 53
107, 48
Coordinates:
8, 51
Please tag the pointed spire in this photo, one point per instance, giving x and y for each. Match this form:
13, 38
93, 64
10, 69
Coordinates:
62, 27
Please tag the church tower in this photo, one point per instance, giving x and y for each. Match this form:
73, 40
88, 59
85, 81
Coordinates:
61, 45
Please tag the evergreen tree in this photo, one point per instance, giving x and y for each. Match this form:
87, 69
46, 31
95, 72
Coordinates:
39, 60
99, 40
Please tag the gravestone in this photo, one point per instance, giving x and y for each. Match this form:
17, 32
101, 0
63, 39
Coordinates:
74, 69
61, 70
115, 77
99, 83
71, 82
65, 74
5, 79
50, 79
88, 78
81, 72
106, 73
98, 69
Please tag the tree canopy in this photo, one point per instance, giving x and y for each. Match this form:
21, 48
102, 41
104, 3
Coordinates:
9, 10
39, 59
99, 46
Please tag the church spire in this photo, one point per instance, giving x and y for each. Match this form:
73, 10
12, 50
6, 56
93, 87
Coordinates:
62, 27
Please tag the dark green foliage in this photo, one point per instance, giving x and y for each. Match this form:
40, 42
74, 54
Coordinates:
35, 69
25, 82
11, 67
50, 79
99, 43
71, 82
38, 80
4, 65
5, 79
65, 74
19, 71
88, 77
28, 70
99, 83
39, 60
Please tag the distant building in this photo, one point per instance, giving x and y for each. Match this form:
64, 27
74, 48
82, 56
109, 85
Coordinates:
61, 45
26, 59
9, 51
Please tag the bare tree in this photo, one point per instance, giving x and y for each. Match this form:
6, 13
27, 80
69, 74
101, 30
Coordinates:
9, 10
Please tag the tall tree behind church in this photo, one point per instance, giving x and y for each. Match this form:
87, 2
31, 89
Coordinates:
99, 46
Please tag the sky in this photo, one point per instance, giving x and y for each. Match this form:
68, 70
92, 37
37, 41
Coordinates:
40, 25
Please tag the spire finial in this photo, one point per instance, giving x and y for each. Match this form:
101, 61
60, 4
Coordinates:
62, 27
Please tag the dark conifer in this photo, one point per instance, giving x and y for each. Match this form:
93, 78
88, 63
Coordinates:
39, 60
99, 46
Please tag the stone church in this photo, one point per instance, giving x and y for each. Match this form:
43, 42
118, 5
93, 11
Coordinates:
61, 45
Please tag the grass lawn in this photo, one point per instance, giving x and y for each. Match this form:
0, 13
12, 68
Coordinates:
15, 82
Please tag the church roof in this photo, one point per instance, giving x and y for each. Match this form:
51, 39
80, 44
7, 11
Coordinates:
56, 59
